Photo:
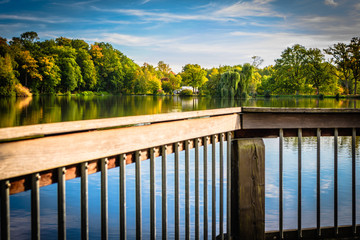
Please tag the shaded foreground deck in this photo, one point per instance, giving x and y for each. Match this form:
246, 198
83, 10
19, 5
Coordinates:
54, 153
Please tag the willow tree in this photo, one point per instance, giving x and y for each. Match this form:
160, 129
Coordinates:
229, 83
235, 82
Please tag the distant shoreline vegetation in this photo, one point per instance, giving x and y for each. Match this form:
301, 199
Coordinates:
65, 66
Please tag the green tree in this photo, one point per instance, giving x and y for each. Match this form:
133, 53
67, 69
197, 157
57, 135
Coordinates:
4, 47
290, 69
317, 71
51, 74
229, 83
71, 76
164, 68
354, 49
7, 76
88, 72
341, 57
109, 68
193, 75
28, 39
153, 83
28, 69
130, 71
79, 44
171, 83
211, 86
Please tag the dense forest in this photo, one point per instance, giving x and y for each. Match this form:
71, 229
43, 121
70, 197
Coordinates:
64, 66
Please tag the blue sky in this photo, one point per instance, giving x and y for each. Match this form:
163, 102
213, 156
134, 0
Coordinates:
209, 33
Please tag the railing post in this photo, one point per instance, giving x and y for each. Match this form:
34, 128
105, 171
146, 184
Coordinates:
248, 189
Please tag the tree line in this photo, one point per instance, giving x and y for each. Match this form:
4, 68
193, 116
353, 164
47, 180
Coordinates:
65, 66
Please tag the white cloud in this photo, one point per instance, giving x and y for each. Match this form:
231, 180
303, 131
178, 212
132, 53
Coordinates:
76, 4
357, 6
164, 16
331, 3
34, 19
255, 8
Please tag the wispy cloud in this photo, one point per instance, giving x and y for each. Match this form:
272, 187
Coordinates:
75, 4
255, 8
4, 1
228, 13
331, 3
163, 16
357, 6
31, 18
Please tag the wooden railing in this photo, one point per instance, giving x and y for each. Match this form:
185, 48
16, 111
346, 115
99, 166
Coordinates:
39, 155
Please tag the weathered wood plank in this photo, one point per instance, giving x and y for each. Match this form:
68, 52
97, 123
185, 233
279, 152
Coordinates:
300, 120
274, 133
21, 184
298, 110
248, 189
86, 125
42, 154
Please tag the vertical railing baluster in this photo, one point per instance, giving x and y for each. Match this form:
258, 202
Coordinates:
122, 191
152, 195
281, 213
187, 190
221, 202
205, 187
197, 217
61, 203
5, 210
177, 202
318, 208
163, 194
138, 196
336, 181
84, 202
228, 181
35, 206
299, 183
353, 156
213, 189
104, 199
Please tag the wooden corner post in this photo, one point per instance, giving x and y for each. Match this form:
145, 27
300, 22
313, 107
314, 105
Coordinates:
248, 189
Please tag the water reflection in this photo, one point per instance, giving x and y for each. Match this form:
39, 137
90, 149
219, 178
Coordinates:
309, 181
46, 109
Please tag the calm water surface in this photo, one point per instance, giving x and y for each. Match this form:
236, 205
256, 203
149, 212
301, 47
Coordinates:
16, 112
26, 111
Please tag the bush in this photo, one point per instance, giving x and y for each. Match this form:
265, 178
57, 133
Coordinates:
186, 92
244, 95
87, 93
321, 96
22, 91
267, 93
160, 92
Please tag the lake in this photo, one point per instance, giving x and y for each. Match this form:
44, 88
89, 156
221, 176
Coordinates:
47, 109
25, 111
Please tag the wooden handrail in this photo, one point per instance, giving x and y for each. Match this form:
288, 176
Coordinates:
70, 143
40, 130
19, 158
298, 110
